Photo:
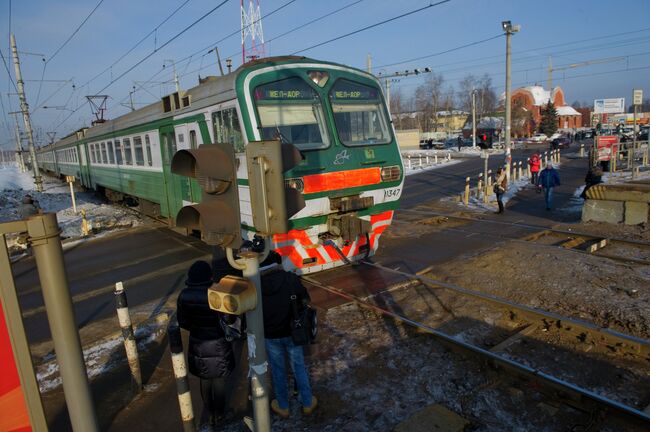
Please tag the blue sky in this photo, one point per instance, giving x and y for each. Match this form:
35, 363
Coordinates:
570, 31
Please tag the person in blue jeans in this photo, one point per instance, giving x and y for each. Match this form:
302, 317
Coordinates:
277, 287
548, 179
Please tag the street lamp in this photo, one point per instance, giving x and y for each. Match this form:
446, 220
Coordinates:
509, 29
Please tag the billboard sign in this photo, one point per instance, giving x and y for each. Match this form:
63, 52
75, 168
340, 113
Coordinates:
638, 97
607, 146
611, 106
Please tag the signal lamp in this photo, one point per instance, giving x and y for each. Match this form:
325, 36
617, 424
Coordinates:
391, 173
232, 295
319, 78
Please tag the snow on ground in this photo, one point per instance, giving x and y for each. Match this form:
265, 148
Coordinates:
55, 197
100, 357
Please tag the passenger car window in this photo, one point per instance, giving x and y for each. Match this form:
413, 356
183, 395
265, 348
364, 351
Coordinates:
226, 129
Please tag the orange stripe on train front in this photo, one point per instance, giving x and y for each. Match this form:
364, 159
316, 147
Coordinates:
341, 180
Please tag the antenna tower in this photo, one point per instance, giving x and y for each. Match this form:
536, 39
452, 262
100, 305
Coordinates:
251, 24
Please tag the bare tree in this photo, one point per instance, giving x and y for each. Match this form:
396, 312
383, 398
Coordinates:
486, 99
428, 99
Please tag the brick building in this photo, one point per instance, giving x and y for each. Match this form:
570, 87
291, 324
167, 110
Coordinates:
533, 99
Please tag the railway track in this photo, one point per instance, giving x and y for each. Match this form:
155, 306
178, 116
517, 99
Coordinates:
619, 249
560, 356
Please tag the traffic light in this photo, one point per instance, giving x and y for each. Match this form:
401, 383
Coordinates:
273, 200
232, 295
217, 215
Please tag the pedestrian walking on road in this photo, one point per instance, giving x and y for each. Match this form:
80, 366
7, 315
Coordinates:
500, 187
278, 286
548, 179
210, 355
459, 141
534, 162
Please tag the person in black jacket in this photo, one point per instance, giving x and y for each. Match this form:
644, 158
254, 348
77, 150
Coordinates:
277, 288
210, 355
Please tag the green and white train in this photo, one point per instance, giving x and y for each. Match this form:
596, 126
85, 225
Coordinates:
351, 176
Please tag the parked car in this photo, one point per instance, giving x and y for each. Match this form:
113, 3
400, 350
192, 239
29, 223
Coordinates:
561, 143
430, 144
538, 137
556, 135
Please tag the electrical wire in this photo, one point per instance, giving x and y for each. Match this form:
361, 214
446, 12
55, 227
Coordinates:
75, 32
4, 61
430, 5
152, 53
285, 33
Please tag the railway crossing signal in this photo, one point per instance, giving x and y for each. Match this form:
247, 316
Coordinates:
232, 295
217, 215
272, 201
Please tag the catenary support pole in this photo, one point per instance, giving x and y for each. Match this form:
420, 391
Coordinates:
473, 118
182, 382
24, 108
632, 153
130, 345
43, 232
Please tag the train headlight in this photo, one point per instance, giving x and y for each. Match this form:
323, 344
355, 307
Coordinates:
295, 183
319, 77
391, 173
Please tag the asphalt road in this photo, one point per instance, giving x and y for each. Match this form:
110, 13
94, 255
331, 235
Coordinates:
151, 261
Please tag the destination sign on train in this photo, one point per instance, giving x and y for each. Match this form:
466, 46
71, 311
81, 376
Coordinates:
353, 91
267, 93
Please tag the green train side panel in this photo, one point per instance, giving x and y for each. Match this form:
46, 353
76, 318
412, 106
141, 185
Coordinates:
140, 183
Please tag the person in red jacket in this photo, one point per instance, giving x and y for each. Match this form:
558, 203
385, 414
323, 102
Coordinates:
534, 162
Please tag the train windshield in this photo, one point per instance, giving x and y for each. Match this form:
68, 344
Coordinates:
292, 111
359, 114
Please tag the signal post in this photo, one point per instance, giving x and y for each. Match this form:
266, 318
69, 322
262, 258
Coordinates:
218, 218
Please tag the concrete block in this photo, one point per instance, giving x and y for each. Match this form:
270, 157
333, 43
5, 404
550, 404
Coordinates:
603, 211
434, 418
636, 212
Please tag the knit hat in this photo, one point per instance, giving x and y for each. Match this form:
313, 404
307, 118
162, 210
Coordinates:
199, 273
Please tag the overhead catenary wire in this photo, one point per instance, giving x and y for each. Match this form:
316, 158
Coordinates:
386, 21
153, 52
74, 32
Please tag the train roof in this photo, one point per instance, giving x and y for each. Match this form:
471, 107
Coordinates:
210, 91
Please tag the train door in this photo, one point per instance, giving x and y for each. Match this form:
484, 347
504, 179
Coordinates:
186, 139
83, 164
172, 201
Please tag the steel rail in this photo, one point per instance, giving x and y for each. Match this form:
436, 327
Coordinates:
529, 242
570, 393
529, 226
611, 339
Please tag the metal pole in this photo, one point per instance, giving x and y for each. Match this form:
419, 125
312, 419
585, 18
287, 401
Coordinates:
43, 232
130, 345
70, 180
633, 145
25, 111
257, 361
485, 171
216, 50
508, 102
473, 118
388, 94
180, 373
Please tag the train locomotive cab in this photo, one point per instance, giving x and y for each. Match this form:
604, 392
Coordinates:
351, 176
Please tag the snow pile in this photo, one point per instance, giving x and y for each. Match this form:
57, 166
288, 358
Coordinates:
420, 162
55, 197
514, 186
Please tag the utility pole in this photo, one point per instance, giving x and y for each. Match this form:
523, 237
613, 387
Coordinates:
216, 50
369, 63
549, 81
19, 147
388, 94
509, 29
474, 119
25, 111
